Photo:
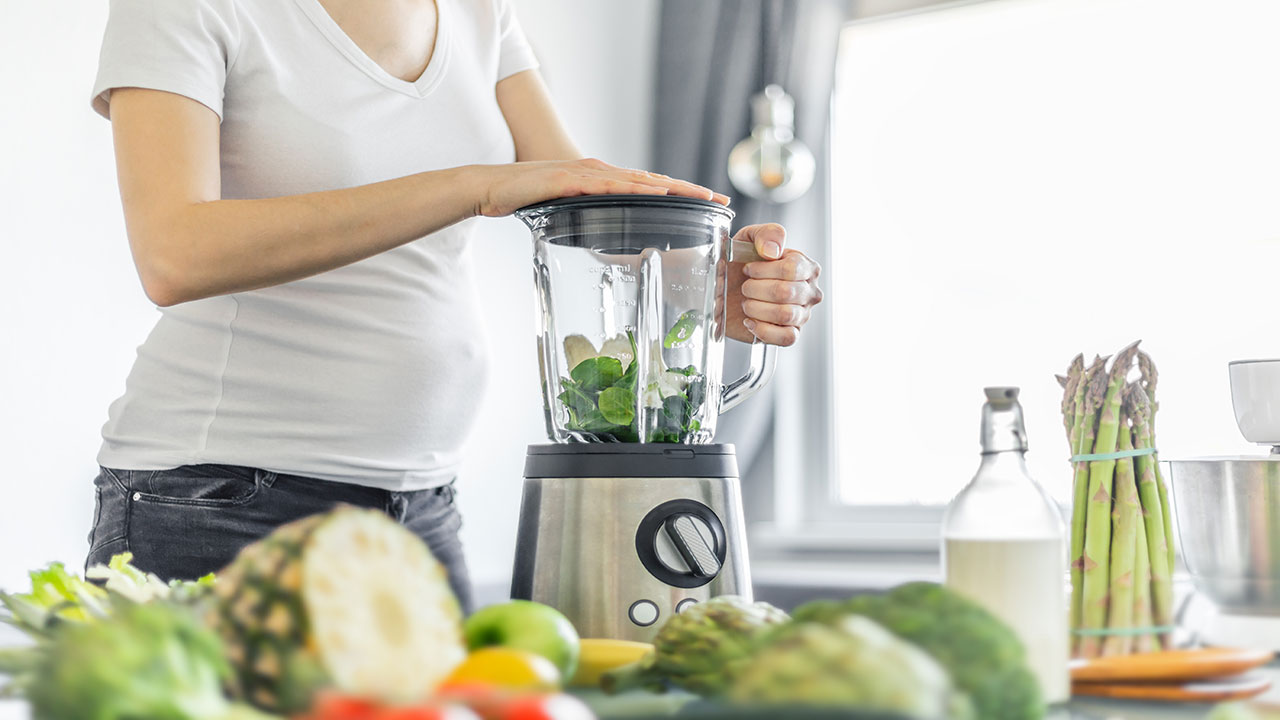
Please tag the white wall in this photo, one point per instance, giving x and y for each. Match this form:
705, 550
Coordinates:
72, 311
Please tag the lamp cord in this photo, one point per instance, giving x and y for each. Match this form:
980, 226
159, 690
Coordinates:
777, 31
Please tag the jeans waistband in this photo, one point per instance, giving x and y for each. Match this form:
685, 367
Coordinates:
250, 473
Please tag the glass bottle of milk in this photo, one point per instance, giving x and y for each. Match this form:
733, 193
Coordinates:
1002, 545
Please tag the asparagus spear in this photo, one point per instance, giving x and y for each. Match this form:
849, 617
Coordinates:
1087, 398
1153, 509
1097, 541
1148, 377
1070, 382
1147, 369
1126, 523
1073, 392
1067, 383
1142, 596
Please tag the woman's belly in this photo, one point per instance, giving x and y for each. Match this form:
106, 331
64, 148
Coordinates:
370, 374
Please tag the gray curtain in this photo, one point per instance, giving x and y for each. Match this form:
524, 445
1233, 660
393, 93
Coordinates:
713, 56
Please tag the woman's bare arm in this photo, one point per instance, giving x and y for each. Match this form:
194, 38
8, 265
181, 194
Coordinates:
535, 125
188, 243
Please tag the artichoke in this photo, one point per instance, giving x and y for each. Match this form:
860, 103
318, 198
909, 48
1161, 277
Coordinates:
850, 662
701, 649
985, 658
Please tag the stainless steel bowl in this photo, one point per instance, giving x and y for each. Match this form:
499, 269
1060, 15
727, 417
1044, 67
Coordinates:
1228, 514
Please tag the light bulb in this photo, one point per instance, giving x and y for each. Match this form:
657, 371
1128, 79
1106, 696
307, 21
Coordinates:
772, 164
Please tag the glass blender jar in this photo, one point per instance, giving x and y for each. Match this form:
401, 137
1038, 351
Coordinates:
631, 318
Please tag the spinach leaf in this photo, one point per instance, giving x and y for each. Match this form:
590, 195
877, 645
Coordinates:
574, 398
597, 373
674, 409
594, 421
618, 405
626, 434
696, 392
682, 330
628, 379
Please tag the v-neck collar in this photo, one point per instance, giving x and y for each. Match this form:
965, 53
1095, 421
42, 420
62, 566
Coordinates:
343, 43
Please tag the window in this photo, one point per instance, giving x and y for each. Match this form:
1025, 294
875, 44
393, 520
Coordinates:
1016, 181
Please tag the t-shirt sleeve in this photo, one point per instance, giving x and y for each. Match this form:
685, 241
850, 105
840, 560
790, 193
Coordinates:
514, 53
179, 46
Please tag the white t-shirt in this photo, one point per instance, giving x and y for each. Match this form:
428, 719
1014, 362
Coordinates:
370, 373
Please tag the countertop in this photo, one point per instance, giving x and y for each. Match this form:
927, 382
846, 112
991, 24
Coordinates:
657, 706
643, 704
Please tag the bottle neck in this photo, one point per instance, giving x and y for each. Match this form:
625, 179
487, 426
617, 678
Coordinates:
1004, 464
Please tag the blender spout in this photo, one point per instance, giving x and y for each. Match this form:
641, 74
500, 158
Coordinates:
532, 216
764, 360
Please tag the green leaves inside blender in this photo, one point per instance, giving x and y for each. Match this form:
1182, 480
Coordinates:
597, 373
601, 397
618, 405
682, 330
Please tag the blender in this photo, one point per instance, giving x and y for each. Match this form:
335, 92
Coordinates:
632, 513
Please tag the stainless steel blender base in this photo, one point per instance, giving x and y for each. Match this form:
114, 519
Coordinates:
595, 548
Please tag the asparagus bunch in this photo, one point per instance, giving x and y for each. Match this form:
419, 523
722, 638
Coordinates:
1121, 534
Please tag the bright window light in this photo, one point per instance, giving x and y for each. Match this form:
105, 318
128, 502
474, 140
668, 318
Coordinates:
1017, 181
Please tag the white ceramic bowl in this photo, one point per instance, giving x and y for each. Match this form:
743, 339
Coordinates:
1255, 395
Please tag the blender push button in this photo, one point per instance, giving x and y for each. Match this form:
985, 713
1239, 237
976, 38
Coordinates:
643, 612
685, 604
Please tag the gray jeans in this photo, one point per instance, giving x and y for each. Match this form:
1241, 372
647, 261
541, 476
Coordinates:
192, 520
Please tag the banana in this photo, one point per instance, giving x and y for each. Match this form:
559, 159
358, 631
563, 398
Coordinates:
600, 655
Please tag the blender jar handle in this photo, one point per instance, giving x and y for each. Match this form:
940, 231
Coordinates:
764, 359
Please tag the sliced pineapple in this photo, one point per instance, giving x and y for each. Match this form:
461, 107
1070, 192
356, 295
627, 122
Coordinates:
348, 599
401, 633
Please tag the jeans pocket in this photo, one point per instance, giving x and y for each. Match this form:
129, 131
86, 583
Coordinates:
199, 485
433, 515
110, 512
187, 537
97, 513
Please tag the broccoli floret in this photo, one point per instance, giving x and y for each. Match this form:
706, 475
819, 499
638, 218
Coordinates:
984, 657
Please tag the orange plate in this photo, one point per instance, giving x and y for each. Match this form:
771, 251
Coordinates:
1169, 665
1240, 687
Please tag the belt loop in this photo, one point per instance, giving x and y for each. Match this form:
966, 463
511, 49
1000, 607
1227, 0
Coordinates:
398, 506
265, 478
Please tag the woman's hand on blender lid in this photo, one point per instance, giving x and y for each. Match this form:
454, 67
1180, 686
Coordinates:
503, 189
772, 298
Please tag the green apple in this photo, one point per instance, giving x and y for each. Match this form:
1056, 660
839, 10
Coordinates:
526, 625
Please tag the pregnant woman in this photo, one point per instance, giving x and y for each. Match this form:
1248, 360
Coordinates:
301, 181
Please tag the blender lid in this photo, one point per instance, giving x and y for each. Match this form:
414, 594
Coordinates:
624, 201
630, 460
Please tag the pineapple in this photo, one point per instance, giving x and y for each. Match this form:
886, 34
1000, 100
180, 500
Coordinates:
346, 599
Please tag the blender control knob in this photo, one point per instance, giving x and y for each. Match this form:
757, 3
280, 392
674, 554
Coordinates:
693, 539
682, 542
